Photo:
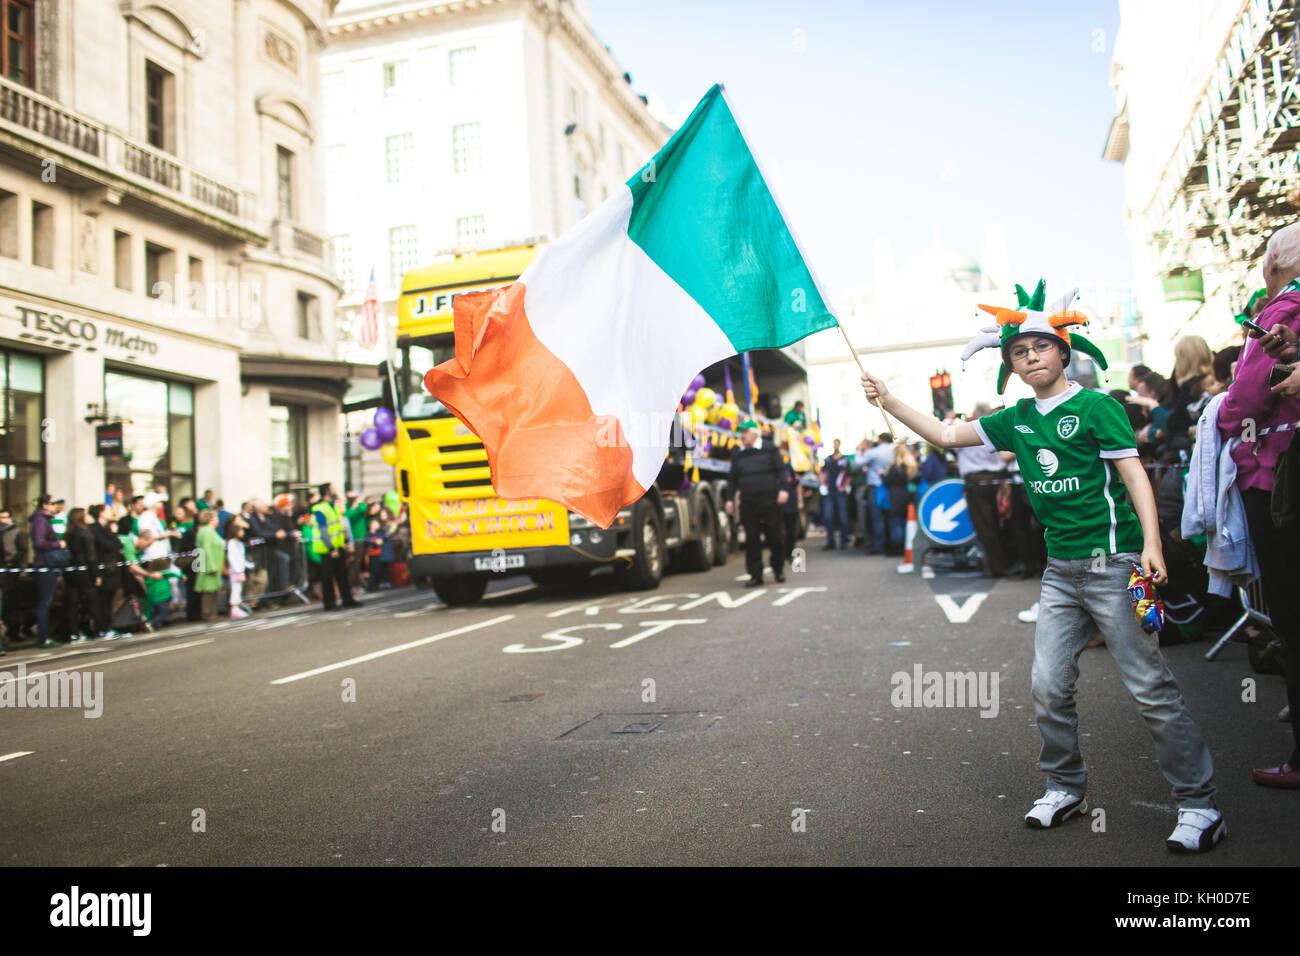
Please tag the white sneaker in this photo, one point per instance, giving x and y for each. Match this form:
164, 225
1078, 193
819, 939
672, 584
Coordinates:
237, 612
1053, 808
78, 639
1197, 831
1030, 616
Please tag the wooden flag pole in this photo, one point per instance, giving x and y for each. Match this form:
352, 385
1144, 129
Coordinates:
854, 352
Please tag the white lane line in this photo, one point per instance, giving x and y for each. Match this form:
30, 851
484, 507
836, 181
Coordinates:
16, 753
393, 650
114, 660
497, 594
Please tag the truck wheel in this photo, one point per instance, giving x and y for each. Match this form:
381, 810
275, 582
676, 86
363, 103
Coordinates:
648, 567
700, 553
457, 591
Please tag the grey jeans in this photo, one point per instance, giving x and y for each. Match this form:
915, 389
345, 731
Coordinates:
1080, 596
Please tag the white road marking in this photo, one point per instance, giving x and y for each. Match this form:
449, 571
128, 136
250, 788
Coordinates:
497, 594
420, 610
393, 650
16, 753
963, 613
114, 660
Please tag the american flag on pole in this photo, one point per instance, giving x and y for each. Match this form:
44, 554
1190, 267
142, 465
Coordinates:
370, 315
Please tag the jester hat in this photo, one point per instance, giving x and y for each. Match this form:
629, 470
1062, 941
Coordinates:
1032, 319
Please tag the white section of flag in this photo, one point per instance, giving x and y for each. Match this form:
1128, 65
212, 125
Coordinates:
630, 335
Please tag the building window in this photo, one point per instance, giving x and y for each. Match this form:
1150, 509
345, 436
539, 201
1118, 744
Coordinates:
157, 270
469, 229
196, 291
395, 74
157, 435
288, 449
284, 182
42, 235
8, 224
19, 41
22, 453
343, 264
308, 316
462, 65
122, 260
402, 253
398, 153
573, 103
466, 155
158, 88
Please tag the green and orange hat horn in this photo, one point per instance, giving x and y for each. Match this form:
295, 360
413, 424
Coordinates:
1031, 318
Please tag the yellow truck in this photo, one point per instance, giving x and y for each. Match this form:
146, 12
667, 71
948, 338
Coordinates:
462, 534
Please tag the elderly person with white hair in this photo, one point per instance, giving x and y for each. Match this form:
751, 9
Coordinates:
1249, 408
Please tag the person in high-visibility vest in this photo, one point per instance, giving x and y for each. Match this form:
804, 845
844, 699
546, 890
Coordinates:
332, 540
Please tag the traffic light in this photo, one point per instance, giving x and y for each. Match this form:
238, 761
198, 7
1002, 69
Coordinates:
941, 393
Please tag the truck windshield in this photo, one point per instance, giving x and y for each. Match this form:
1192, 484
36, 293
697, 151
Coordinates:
416, 402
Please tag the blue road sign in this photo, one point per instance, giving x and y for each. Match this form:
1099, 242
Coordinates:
942, 513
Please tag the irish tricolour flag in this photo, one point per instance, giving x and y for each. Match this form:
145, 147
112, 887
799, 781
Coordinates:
571, 375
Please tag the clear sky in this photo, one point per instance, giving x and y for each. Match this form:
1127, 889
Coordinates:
902, 118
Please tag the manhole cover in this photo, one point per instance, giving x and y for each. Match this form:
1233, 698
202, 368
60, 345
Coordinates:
639, 727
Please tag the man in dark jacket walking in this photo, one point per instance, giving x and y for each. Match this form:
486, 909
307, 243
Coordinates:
759, 475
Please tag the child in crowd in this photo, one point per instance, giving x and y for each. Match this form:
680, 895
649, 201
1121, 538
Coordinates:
237, 563
1077, 456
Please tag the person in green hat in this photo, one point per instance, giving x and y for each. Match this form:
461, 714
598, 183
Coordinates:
1079, 461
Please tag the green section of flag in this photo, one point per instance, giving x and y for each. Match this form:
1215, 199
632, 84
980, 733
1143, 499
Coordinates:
702, 212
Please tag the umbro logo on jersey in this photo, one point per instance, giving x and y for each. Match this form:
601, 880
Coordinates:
1024, 428
1067, 426
1047, 461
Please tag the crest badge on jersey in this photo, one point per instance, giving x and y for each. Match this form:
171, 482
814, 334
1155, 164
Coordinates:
1067, 426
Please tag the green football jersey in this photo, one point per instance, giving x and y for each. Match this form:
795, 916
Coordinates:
1066, 448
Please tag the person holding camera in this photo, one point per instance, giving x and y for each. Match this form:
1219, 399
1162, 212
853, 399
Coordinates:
1257, 401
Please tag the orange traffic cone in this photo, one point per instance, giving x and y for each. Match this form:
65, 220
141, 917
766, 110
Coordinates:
906, 567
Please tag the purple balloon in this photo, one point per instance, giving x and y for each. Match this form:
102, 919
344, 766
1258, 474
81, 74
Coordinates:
688, 397
384, 419
370, 439
387, 430
724, 423
809, 441
697, 382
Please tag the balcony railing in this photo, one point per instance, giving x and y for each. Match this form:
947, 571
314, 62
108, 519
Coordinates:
290, 239
40, 118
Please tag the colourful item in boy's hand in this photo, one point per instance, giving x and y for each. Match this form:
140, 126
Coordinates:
1148, 608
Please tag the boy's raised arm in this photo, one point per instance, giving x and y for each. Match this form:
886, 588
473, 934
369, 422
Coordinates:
961, 435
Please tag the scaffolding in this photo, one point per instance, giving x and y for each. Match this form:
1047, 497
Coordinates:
1233, 178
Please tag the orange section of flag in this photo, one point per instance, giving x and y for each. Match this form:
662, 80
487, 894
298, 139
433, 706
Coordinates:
543, 439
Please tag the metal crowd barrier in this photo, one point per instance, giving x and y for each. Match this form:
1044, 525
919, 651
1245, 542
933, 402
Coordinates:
277, 572
1252, 609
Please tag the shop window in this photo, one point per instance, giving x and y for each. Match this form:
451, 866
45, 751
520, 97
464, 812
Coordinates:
159, 86
157, 270
42, 235
288, 448
22, 453
16, 51
157, 436
122, 259
8, 224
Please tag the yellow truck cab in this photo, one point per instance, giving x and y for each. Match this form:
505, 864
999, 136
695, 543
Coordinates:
462, 534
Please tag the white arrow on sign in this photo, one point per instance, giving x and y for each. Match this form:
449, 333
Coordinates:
962, 614
943, 519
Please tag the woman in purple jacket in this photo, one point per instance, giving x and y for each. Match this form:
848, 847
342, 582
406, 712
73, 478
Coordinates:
1252, 407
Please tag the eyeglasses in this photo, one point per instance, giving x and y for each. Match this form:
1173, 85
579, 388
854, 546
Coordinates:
1021, 352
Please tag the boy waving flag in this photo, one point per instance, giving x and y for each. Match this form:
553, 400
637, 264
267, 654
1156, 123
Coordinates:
1079, 462
571, 375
